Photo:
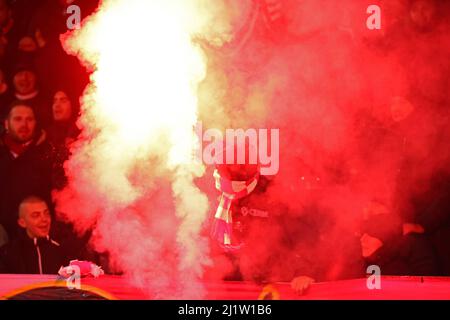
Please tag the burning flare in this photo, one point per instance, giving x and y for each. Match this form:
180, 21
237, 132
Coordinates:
131, 174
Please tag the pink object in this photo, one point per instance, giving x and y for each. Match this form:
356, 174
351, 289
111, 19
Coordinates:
85, 266
81, 269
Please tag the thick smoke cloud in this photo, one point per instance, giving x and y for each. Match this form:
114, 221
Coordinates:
131, 173
362, 113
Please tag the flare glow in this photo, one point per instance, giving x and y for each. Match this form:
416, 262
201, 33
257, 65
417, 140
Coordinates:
131, 175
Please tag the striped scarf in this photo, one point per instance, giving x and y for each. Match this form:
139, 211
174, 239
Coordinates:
231, 190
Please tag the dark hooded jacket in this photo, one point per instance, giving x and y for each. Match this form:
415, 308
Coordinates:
25, 255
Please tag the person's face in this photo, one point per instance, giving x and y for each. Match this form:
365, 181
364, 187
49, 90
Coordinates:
62, 107
369, 245
35, 218
20, 124
25, 82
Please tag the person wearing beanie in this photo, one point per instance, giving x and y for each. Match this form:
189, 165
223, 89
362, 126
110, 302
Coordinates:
25, 85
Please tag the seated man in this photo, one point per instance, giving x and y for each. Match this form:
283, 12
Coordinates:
26, 89
33, 251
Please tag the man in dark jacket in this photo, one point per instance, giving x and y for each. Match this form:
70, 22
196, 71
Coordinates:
26, 165
33, 251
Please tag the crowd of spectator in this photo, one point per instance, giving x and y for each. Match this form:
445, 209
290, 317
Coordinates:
39, 89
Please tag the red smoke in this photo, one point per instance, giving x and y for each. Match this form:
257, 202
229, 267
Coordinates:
362, 116
362, 113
